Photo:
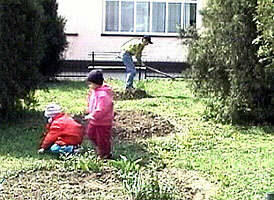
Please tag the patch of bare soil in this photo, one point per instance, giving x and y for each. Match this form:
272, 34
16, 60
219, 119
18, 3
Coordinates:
130, 125
59, 184
189, 184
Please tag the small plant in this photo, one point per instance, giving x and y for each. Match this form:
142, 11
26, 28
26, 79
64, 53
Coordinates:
127, 166
85, 162
140, 187
154, 189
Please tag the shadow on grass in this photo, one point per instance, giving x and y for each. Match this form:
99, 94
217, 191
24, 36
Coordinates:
175, 97
21, 117
134, 150
66, 85
20, 139
268, 129
255, 130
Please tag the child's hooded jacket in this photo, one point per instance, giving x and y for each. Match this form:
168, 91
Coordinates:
100, 106
63, 130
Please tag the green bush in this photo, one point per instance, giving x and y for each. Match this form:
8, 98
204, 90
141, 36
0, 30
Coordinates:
265, 26
53, 28
265, 39
225, 66
21, 51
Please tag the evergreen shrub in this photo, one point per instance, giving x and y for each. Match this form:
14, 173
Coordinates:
225, 66
21, 51
53, 28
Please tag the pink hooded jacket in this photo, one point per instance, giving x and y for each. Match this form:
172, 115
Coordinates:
100, 105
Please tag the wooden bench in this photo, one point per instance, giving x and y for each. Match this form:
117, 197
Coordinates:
111, 61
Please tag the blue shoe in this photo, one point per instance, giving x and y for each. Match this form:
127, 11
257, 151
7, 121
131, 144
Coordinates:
66, 149
55, 148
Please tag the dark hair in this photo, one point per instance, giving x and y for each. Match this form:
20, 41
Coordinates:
95, 76
147, 38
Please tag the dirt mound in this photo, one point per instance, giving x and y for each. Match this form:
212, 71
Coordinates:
130, 125
189, 183
130, 94
58, 184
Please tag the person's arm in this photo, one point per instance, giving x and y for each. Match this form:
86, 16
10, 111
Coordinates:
138, 54
51, 136
104, 105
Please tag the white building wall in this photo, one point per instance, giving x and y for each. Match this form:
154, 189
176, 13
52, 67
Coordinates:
85, 17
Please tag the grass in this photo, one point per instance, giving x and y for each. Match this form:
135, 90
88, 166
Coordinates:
239, 160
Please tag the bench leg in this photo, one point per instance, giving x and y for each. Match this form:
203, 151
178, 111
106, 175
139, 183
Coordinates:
146, 73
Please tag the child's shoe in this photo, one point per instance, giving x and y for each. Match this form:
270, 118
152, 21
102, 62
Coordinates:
55, 148
66, 149
78, 149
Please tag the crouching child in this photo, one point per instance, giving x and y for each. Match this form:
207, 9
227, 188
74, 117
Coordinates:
63, 134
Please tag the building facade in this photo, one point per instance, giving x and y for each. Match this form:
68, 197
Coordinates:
105, 25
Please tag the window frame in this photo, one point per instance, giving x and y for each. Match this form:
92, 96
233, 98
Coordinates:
135, 33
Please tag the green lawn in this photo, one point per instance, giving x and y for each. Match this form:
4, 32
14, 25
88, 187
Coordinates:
238, 160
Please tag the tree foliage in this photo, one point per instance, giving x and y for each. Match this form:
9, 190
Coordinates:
21, 51
53, 28
32, 39
265, 25
225, 65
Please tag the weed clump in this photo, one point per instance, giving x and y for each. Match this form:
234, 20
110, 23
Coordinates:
130, 94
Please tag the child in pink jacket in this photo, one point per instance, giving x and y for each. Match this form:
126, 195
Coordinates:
100, 113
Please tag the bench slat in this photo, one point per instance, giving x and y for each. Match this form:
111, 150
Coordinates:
112, 67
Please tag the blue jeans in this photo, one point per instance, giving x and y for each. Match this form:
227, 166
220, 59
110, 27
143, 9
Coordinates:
130, 70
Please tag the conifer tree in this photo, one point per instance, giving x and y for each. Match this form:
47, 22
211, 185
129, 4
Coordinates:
21, 51
53, 28
225, 65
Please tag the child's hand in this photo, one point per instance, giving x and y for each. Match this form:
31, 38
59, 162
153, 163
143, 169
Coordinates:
89, 116
41, 150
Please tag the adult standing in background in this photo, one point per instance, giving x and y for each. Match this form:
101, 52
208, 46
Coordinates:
133, 47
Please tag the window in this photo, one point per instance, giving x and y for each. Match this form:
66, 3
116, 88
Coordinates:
174, 17
112, 18
127, 16
155, 17
158, 17
142, 17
